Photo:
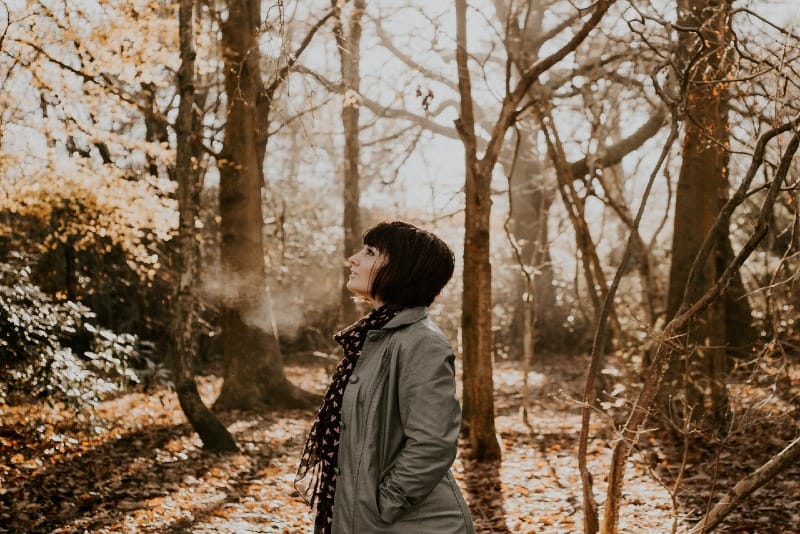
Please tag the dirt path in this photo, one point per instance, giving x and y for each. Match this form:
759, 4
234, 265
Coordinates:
134, 466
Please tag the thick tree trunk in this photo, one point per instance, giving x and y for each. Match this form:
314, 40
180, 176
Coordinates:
349, 45
211, 431
701, 192
254, 374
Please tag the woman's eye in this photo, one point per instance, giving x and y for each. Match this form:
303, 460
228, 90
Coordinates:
370, 252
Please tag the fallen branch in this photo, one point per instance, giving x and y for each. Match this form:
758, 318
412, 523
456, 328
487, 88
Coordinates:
748, 485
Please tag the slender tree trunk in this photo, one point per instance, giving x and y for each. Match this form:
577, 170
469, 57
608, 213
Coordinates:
476, 318
349, 45
254, 373
211, 431
597, 286
476, 308
590, 515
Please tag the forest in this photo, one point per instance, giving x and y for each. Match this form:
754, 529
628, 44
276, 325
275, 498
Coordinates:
182, 181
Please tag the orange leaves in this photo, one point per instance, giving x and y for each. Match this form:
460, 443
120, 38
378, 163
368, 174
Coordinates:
143, 470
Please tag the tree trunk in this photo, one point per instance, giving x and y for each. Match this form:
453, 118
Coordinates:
211, 431
476, 307
476, 315
349, 45
701, 192
532, 198
254, 374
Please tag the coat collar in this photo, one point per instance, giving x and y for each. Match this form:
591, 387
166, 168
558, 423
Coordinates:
407, 316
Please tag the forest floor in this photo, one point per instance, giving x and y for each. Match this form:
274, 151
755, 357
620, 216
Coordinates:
134, 465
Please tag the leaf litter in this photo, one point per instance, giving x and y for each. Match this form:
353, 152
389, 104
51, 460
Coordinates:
134, 465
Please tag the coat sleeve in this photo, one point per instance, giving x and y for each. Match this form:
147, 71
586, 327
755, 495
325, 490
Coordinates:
431, 417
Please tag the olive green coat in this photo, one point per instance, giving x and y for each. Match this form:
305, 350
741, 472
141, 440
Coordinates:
400, 424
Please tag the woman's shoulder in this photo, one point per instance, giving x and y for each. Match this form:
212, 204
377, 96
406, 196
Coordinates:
423, 330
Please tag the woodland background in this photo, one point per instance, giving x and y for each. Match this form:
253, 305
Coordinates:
180, 183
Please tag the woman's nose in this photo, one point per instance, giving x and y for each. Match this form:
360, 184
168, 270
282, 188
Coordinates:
351, 260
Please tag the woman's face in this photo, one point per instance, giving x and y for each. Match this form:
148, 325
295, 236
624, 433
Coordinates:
364, 265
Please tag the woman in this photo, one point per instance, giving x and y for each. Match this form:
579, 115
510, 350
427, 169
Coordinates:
380, 450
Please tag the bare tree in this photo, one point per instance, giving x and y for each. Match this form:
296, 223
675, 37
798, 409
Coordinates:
254, 373
669, 342
476, 300
211, 431
349, 45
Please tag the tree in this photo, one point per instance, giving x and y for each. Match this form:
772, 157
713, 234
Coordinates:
705, 58
476, 311
81, 109
211, 431
349, 46
254, 373
667, 348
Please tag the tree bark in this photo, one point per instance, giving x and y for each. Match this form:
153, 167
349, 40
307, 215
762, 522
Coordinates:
254, 374
476, 308
211, 431
349, 46
701, 192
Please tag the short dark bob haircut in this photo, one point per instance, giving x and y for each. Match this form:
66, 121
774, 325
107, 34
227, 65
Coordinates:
418, 265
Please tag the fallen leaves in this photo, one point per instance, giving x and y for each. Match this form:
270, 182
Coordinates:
135, 466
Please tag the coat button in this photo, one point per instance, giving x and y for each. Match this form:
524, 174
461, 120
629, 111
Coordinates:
336, 470
341, 425
354, 379
374, 336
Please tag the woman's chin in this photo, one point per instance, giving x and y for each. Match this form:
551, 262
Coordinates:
355, 290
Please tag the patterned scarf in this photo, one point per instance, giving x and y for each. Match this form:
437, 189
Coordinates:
321, 451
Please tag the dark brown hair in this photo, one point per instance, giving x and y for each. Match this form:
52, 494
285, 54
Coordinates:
418, 265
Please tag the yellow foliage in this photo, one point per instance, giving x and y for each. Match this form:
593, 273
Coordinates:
89, 201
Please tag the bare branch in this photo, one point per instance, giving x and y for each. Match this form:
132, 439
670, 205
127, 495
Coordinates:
284, 71
387, 43
590, 509
747, 486
676, 328
614, 153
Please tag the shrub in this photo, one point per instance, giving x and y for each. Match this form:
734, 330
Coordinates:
54, 349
